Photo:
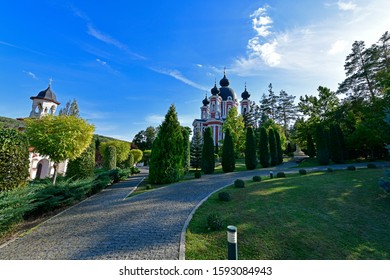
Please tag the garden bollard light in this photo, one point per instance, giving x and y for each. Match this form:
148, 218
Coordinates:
271, 174
232, 243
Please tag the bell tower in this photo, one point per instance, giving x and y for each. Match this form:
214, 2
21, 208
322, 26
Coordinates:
45, 103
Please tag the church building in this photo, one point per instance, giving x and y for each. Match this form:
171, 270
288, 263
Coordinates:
215, 109
44, 103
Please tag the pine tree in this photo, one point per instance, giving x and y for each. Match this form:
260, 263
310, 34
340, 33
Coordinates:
322, 148
250, 149
208, 160
286, 110
228, 158
272, 148
196, 150
263, 148
311, 150
166, 160
279, 147
71, 109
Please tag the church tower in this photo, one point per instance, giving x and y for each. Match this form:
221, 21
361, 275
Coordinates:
245, 102
45, 103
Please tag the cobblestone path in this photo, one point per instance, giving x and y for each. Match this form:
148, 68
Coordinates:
108, 226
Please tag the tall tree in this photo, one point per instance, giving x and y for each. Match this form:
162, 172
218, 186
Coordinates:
279, 148
196, 150
235, 124
269, 104
145, 138
322, 147
186, 149
272, 148
264, 156
70, 109
60, 138
166, 160
311, 150
208, 160
287, 110
335, 148
228, 158
250, 149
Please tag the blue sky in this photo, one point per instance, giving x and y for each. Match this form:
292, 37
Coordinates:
126, 61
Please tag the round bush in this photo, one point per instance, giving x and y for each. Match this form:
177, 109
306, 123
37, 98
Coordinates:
351, 168
330, 170
214, 221
197, 174
280, 175
371, 165
256, 178
239, 183
224, 196
302, 172
148, 186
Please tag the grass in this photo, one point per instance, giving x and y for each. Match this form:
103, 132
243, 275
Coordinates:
343, 215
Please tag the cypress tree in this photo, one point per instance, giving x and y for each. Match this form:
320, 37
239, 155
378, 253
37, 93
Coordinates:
263, 148
279, 147
109, 158
166, 160
228, 159
336, 152
208, 161
322, 148
342, 142
272, 147
311, 150
250, 149
84, 165
186, 149
196, 150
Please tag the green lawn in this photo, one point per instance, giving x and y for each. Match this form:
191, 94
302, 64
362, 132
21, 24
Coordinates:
339, 215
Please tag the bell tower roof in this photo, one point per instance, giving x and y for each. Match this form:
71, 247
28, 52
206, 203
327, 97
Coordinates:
47, 95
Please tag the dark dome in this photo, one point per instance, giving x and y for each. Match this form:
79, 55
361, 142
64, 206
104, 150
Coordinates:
215, 90
225, 92
205, 101
46, 94
245, 94
224, 82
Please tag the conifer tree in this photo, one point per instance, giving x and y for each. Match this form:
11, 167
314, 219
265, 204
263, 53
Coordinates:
272, 148
279, 147
186, 149
228, 158
263, 148
196, 150
166, 160
208, 161
335, 149
322, 148
311, 150
109, 158
250, 149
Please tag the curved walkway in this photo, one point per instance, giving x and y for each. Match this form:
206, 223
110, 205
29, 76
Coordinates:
108, 226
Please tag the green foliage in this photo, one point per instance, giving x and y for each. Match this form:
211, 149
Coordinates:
166, 161
214, 222
122, 150
228, 158
384, 182
109, 158
311, 150
9, 123
322, 147
145, 138
14, 162
280, 175
329, 169
208, 161
351, 168
146, 156
186, 149
84, 165
59, 137
371, 165
196, 150
238, 183
250, 149
279, 148
137, 154
130, 161
70, 109
235, 123
224, 196
335, 147
264, 148
256, 178
272, 148
302, 171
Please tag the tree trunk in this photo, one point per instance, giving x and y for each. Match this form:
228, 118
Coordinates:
55, 173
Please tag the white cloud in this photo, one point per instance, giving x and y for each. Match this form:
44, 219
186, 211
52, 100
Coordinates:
31, 74
104, 63
154, 119
178, 76
337, 47
346, 6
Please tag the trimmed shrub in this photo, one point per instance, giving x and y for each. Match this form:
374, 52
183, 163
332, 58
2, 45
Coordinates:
264, 156
302, 171
14, 162
214, 222
109, 158
256, 178
228, 158
129, 161
273, 152
371, 165
224, 196
351, 168
197, 174
208, 160
148, 186
322, 146
250, 149
330, 170
134, 170
239, 183
83, 166
280, 175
